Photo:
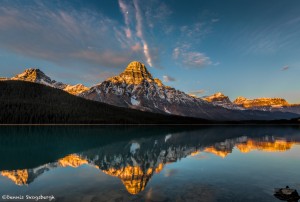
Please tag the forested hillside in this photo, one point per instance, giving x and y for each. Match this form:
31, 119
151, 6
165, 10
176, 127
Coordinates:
30, 103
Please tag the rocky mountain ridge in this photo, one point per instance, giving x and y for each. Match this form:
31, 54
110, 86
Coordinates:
136, 88
220, 99
37, 76
261, 104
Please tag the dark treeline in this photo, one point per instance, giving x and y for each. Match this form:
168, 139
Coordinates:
31, 103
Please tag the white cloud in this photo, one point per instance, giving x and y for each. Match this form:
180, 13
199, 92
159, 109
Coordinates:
168, 78
285, 68
191, 59
196, 59
139, 32
125, 12
176, 53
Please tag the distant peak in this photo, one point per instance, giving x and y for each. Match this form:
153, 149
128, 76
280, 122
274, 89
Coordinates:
261, 102
33, 70
31, 74
241, 97
239, 100
219, 94
217, 97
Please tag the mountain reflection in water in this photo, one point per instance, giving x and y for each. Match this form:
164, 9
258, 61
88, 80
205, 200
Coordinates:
148, 163
133, 155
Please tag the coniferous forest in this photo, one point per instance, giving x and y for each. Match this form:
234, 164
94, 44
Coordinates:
32, 103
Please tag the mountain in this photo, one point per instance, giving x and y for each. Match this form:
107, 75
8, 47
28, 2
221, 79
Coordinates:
260, 104
267, 104
32, 103
37, 76
76, 89
136, 88
220, 99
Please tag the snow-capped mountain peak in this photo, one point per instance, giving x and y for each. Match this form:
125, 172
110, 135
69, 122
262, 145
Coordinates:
217, 97
222, 100
76, 89
35, 75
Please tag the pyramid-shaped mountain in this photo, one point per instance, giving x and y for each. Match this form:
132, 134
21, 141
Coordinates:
136, 88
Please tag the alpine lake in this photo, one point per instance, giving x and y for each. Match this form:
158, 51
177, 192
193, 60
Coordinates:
148, 163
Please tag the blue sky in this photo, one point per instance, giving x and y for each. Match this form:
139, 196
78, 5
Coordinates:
239, 47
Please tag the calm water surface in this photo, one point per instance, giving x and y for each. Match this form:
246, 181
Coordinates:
213, 163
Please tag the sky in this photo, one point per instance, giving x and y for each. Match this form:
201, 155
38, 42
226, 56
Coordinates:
238, 47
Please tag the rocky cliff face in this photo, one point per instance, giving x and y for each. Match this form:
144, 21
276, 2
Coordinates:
37, 76
261, 102
267, 104
76, 89
220, 99
135, 73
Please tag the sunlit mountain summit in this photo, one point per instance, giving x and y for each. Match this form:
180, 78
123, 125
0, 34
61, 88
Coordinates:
37, 76
260, 104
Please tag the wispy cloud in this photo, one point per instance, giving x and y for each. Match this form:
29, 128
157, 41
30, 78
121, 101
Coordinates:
196, 31
139, 32
196, 59
70, 36
125, 12
156, 14
176, 53
185, 52
268, 39
285, 68
191, 59
214, 20
65, 36
198, 92
168, 78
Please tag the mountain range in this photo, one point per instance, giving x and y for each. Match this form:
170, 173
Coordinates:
262, 104
135, 88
